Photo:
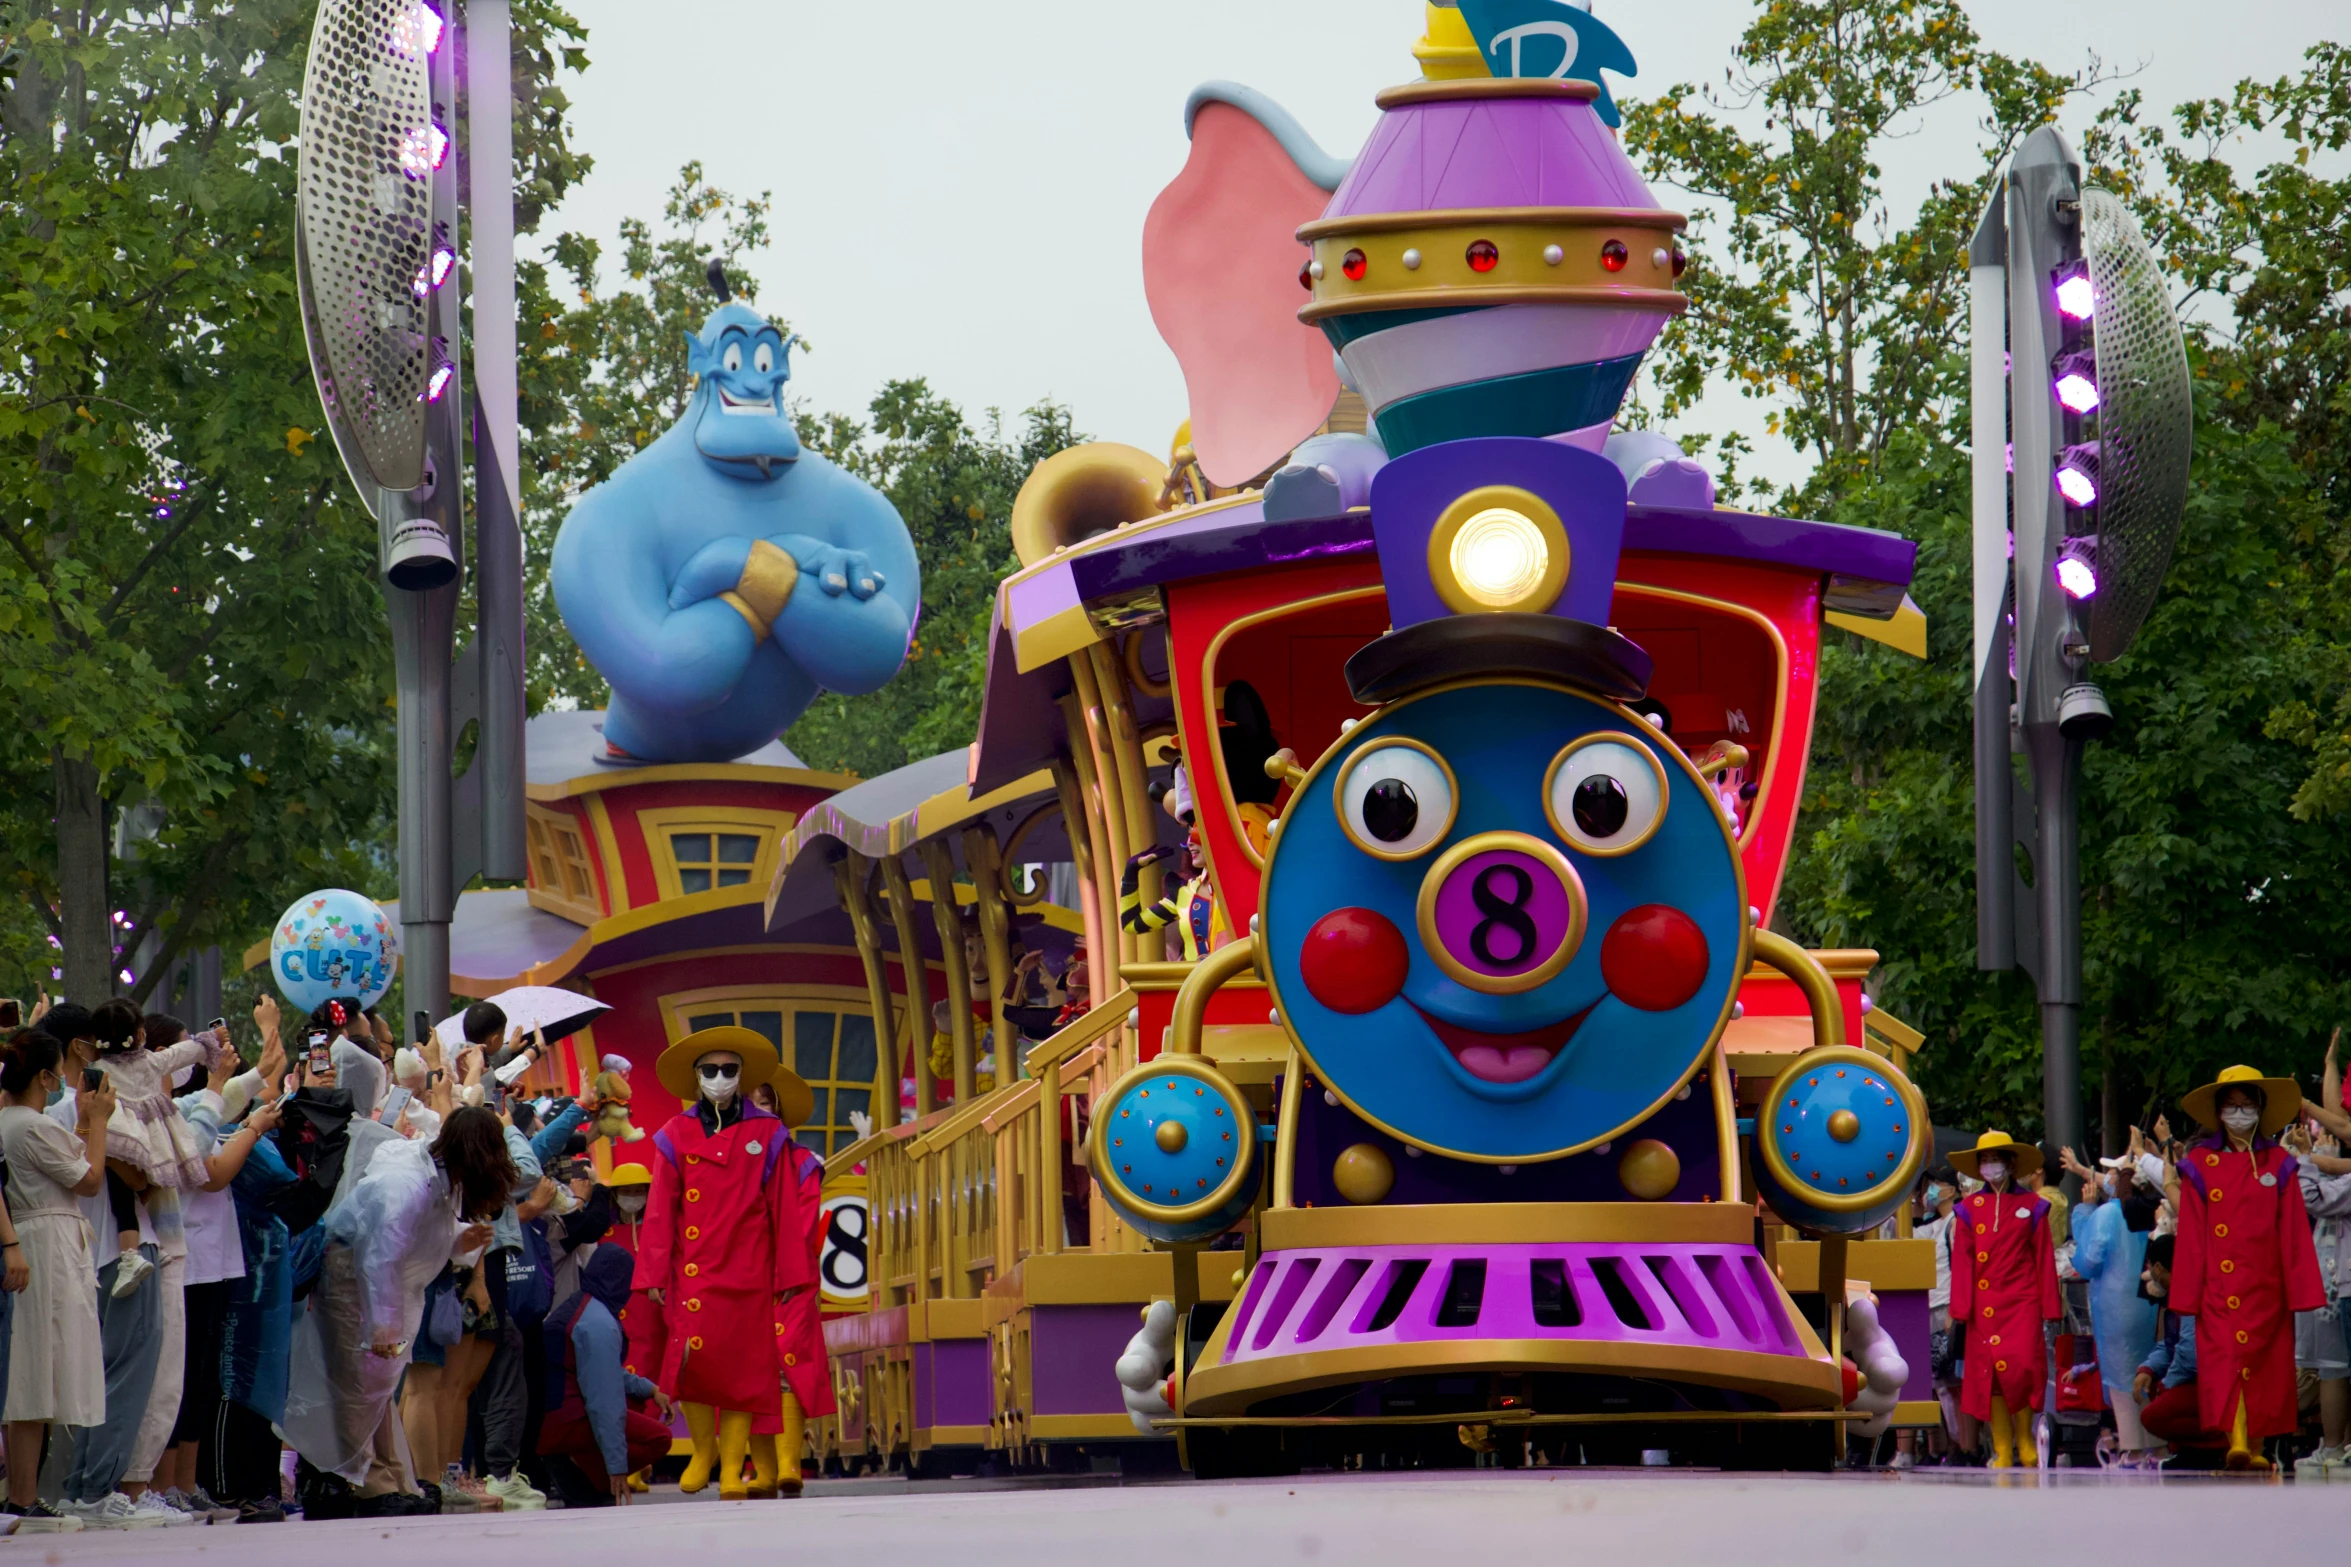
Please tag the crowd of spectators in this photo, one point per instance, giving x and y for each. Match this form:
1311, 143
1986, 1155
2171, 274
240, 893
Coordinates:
349, 1279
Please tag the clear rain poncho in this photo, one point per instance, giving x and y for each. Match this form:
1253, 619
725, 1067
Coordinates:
2109, 1254
388, 1236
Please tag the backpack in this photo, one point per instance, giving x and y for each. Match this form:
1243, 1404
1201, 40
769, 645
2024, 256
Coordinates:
530, 1277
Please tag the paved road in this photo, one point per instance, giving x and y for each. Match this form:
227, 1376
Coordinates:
1617, 1518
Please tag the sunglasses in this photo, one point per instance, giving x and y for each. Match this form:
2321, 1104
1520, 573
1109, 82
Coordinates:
715, 1071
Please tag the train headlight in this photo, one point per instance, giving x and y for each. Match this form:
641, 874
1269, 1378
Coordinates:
1498, 548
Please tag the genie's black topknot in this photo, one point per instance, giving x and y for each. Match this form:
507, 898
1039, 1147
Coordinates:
718, 280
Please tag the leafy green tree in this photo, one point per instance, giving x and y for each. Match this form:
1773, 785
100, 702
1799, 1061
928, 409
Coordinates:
2267, 252
954, 484
2212, 933
2212, 929
192, 643
1805, 293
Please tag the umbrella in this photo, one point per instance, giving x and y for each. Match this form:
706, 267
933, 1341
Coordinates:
553, 1012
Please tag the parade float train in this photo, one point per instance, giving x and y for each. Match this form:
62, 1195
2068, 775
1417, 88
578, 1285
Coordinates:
1452, 1144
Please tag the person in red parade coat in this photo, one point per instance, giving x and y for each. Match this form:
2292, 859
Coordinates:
2245, 1262
632, 1188
2003, 1287
723, 1248
808, 1382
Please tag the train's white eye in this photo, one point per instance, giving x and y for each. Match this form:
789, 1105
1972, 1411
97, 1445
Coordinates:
1606, 794
1396, 799
765, 359
734, 358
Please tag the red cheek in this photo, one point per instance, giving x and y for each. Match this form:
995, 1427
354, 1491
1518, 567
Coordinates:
1654, 958
1354, 961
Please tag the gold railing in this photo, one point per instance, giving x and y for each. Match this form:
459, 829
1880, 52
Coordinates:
962, 1194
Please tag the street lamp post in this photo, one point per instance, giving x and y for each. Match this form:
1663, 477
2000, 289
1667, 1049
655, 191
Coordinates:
382, 294
2081, 435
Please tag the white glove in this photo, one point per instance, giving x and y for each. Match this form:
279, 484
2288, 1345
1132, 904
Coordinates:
1883, 1370
1144, 1370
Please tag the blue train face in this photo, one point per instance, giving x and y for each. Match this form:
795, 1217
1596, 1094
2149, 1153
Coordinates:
1505, 920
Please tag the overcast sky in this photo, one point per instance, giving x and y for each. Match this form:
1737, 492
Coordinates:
960, 189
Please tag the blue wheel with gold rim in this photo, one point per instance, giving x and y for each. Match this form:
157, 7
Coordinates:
1839, 1141
1174, 1149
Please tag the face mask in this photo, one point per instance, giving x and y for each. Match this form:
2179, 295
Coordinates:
1934, 1195
1994, 1170
630, 1206
2240, 1119
720, 1080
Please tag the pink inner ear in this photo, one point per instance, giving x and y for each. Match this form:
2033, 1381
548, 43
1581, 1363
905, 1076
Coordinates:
1220, 268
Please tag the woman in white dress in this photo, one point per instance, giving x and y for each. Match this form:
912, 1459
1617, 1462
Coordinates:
56, 1371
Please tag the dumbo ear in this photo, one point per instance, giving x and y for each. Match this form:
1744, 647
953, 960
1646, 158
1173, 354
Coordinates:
698, 356
1220, 268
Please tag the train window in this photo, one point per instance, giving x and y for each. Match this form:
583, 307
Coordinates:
1721, 671
1465, 1294
1554, 1303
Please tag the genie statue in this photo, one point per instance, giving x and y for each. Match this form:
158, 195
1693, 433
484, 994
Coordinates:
724, 575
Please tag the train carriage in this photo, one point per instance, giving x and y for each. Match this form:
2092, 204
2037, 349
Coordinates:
1415, 808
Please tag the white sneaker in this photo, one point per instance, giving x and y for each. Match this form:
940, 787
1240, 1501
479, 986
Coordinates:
516, 1493
131, 1274
2321, 1464
151, 1504
112, 1511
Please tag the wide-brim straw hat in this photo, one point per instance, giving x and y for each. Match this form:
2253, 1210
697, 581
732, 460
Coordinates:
2023, 1158
2281, 1099
761, 1060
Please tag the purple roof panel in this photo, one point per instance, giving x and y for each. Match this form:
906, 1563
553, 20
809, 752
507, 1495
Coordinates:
1494, 152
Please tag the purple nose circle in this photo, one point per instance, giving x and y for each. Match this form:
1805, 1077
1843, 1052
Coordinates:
1502, 916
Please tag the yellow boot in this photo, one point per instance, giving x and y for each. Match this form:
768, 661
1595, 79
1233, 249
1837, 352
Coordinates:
734, 1445
2243, 1456
702, 1430
763, 1467
2003, 1436
640, 1481
790, 1445
2028, 1448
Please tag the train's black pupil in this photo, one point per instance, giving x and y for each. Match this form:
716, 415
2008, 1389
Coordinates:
1391, 810
1601, 806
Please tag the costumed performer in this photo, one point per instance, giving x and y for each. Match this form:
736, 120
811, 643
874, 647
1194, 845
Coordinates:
2003, 1287
2245, 1262
722, 1250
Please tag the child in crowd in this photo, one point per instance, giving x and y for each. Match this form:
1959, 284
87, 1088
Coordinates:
149, 1147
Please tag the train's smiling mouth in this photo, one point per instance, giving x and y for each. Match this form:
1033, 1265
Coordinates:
1505, 1058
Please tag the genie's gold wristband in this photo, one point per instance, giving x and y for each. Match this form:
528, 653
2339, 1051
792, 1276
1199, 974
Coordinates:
767, 581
